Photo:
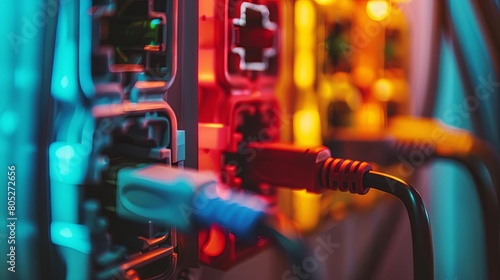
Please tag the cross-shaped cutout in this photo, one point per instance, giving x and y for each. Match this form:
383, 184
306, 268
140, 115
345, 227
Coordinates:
254, 37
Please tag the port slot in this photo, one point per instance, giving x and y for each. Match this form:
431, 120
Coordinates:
133, 37
253, 42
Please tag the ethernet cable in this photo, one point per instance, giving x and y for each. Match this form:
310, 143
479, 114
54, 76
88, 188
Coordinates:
431, 139
187, 199
316, 171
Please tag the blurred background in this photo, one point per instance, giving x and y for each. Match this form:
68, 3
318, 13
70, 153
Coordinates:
410, 86
360, 65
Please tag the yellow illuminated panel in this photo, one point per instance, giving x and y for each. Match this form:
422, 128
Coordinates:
305, 22
306, 128
306, 209
306, 122
306, 206
349, 73
305, 15
304, 70
325, 2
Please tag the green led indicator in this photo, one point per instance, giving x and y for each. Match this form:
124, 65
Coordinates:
154, 23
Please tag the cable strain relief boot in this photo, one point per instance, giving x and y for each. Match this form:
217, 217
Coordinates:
343, 174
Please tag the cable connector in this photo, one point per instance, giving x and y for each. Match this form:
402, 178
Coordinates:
302, 168
182, 198
238, 211
315, 171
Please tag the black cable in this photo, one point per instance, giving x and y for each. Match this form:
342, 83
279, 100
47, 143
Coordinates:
459, 146
489, 196
491, 216
433, 76
480, 154
487, 11
423, 258
465, 73
316, 171
453, 146
472, 162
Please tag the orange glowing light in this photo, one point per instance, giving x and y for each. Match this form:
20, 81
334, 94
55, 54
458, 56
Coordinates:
206, 66
383, 90
152, 48
212, 125
149, 84
216, 242
370, 117
363, 76
378, 9
206, 77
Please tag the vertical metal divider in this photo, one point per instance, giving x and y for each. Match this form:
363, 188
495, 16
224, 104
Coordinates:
183, 98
